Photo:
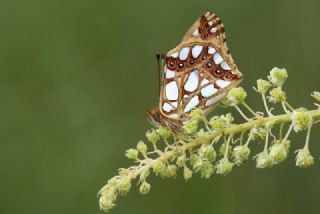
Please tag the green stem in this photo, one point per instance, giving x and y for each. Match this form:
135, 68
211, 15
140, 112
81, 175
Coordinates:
249, 109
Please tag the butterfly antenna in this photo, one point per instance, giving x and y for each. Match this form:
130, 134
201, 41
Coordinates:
160, 58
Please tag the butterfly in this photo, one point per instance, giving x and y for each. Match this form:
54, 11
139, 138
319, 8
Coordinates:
198, 73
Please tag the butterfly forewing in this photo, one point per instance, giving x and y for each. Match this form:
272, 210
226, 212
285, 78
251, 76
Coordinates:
199, 72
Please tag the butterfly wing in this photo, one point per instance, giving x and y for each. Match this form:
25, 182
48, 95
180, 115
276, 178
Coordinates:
199, 72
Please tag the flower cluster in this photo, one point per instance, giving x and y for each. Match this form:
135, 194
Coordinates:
208, 146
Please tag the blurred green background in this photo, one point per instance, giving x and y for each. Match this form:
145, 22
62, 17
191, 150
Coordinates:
76, 77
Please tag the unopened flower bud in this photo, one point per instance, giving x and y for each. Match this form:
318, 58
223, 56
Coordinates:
187, 173
240, 154
301, 119
304, 159
263, 86
277, 95
263, 160
278, 76
236, 96
278, 152
164, 132
207, 169
132, 154
224, 166
190, 126
316, 96
152, 136
145, 188
197, 114
142, 147
124, 187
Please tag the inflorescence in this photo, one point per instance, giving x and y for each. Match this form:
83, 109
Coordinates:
216, 145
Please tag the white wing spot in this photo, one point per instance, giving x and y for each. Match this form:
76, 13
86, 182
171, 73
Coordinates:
174, 55
211, 50
205, 81
208, 90
172, 90
196, 50
213, 30
174, 116
185, 96
217, 58
167, 107
174, 104
194, 101
210, 23
196, 33
183, 55
224, 65
170, 74
192, 82
222, 83
214, 99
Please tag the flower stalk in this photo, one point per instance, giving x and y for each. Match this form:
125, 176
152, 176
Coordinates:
193, 150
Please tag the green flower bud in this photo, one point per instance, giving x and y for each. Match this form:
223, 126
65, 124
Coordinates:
236, 96
123, 172
263, 86
159, 168
207, 152
106, 201
187, 173
171, 171
190, 126
224, 166
316, 96
145, 188
263, 160
278, 152
124, 187
207, 169
301, 119
197, 114
277, 95
304, 159
142, 147
132, 154
152, 136
197, 164
217, 123
181, 160
113, 182
278, 76
164, 132
193, 159
240, 154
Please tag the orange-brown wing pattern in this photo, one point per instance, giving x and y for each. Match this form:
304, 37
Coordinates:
198, 72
